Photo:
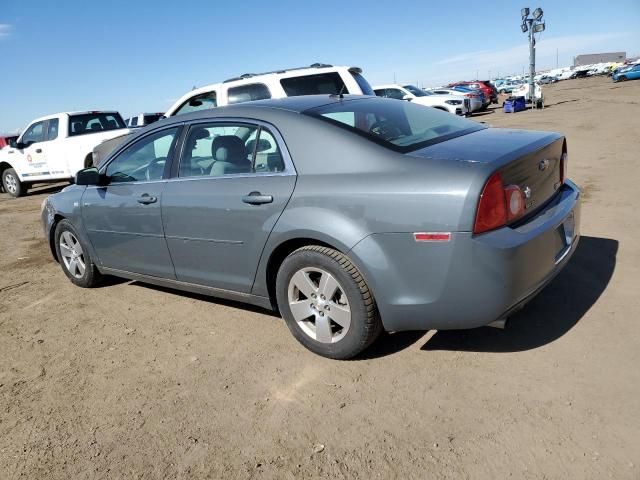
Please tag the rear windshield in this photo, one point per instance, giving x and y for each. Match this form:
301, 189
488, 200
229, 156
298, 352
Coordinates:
94, 122
317, 84
400, 126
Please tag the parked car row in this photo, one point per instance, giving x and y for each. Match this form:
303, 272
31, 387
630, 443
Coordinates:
455, 103
630, 72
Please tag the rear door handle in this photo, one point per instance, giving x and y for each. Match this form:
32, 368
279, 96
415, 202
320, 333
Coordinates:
146, 199
256, 198
38, 150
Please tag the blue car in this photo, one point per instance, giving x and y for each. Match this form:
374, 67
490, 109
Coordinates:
632, 73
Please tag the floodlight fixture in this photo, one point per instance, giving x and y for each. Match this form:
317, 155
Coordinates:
524, 12
524, 28
537, 13
538, 28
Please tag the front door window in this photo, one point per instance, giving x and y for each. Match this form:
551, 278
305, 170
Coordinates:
145, 160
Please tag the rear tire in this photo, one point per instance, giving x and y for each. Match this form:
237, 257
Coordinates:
326, 303
12, 184
74, 257
622, 79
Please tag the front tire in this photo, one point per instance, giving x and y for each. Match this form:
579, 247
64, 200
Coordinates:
74, 257
326, 303
12, 184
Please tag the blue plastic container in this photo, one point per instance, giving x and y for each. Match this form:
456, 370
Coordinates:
514, 104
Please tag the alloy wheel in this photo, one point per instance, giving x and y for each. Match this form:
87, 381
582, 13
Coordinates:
11, 183
319, 305
72, 254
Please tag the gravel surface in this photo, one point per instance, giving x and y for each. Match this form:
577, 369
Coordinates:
133, 381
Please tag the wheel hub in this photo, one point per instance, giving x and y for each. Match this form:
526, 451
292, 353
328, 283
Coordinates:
319, 305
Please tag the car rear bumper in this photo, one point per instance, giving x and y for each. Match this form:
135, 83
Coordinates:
470, 280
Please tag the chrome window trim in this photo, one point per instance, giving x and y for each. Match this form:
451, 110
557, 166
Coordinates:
289, 168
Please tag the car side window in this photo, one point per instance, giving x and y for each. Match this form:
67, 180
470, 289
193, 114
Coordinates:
320, 83
215, 150
394, 93
268, 158
248, 93
52, 129
144, 160
202, 101
34, 134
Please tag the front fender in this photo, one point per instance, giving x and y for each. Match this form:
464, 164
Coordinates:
65, 205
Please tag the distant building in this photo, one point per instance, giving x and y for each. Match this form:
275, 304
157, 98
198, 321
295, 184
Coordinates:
590, 58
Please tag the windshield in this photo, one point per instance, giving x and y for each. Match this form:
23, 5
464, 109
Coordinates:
94, 122
418, 92
400, 126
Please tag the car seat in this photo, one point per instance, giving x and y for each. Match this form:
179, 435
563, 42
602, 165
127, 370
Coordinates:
229, 156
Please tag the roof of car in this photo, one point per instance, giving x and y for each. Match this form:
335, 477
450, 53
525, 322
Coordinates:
291, 104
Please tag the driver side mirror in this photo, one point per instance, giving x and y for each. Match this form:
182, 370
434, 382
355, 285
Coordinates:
408, 98
22, 145
88, 176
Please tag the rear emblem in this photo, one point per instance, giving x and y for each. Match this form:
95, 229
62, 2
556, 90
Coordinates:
527, 192
543, 164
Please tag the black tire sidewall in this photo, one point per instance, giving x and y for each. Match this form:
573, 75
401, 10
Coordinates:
353, 342
90, 275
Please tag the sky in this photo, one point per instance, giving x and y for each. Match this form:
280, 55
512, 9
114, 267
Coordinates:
141, 56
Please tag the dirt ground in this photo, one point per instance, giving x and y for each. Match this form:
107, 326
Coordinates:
132, 381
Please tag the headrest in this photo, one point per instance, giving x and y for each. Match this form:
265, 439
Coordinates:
78, 127
228, 148
263, 145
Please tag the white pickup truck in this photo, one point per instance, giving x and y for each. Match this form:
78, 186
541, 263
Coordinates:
55, 147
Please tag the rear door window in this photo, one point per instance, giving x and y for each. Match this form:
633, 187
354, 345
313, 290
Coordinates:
247, 93
321, 83
94, 122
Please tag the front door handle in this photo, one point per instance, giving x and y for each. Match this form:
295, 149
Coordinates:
38, 150
256, 198
146, 199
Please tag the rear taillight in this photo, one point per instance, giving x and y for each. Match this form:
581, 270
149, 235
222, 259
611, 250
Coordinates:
498, 205
563, 163
492, 211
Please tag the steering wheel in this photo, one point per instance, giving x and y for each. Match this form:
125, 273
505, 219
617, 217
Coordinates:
154, 169
385, 129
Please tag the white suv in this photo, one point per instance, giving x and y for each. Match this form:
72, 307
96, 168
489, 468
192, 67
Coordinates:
316, 79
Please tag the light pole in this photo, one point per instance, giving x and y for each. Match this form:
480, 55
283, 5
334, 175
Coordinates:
532, 25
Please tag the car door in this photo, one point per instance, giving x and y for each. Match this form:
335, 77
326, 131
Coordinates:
123, 218
52, 149
233, 181
32, 159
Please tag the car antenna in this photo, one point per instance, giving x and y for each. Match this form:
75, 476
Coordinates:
340, 94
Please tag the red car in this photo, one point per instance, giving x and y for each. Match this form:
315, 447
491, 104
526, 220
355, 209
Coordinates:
5, 141
485, 86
